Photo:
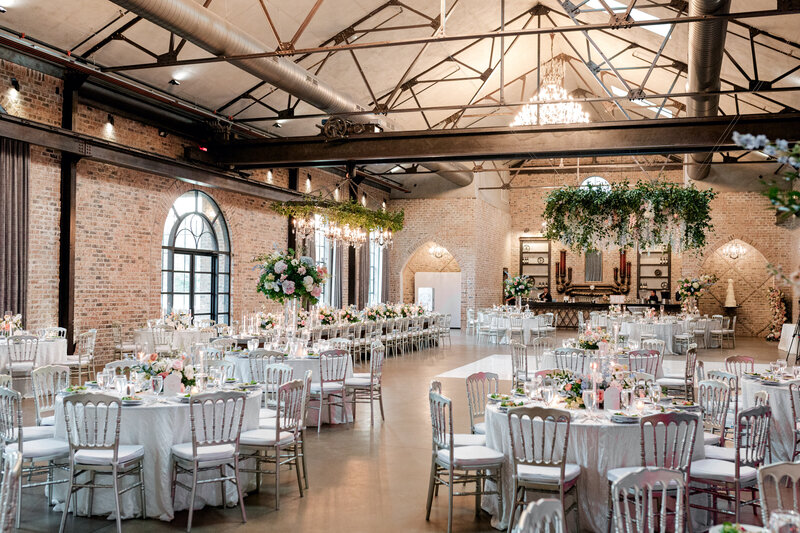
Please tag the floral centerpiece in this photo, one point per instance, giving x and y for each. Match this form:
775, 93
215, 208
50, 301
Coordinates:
690, 289
266, 320
10, 324
178, 319
327, 315
409, 310
287, 276
614, 309
350, 315
571, 387
372, 313
519, 286
389, 311
778, 308
620, 378
153, 365
590, 340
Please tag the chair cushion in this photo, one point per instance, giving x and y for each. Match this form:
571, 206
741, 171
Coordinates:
547, 474
710, 439
20, 368
204, 453
471, 457
361, 375
717, 470
73, 360
480, 428
718, 452
671, 382
358, 382
126, 453
267, 413
48, 421
467, 439
37, 432
329, 387
42, 448
615, 474
265, 437
267, 423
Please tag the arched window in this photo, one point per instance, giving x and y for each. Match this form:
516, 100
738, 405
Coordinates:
596, 181
196, 259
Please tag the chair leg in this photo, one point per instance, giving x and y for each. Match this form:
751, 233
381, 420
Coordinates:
141, 489
450, 501
277, 477
610, 513
117, 506
297, 469
431, 484
91, 492
191, 500
239, 487
222, 486
380, 402
66, 502
303, 452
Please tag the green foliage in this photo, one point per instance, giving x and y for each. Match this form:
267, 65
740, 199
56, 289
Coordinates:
351, 213
647, 214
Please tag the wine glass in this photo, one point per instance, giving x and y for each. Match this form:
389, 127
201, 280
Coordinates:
252, 344
108, 378
158, 384
625, 399
655, 393
101, 380
589, 401
548, 394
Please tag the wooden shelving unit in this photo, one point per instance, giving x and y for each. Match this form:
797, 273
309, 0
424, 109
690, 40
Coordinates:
534, 260
654, 271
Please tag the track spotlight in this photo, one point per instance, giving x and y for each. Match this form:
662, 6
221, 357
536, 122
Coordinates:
14, 81
111, 119
162, 133
2, 9
173, 81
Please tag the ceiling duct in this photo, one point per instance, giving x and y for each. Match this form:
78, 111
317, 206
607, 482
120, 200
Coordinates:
219, 37
706, 47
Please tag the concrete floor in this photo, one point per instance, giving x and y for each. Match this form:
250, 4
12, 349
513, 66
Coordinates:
362, 478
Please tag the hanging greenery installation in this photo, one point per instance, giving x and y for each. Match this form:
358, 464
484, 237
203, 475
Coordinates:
646, 214
349, 213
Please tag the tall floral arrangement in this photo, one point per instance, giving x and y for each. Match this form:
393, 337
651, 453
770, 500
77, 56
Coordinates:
591, 339
350, 315
778, 308
519, 286
178, 319
571, 386
286, 276
10, 324
690, 289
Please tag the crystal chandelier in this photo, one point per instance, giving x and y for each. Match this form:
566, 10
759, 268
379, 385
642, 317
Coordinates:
551, 90
344, 235
734, 250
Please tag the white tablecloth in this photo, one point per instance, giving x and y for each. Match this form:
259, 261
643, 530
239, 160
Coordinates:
781, 424
531, 324
787, 331
157, 427
662, 330
549, 361
50, 352
182, 339
597, 446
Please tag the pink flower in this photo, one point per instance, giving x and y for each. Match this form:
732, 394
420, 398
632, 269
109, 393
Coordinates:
177, 365
280, 266
288, 287
153, 357
316, 292
322, 271
568, 387
301, 270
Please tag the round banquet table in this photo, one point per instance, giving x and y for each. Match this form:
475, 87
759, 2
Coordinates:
663, 331
182, 339
781, 424
49, 352
529, 324
299, 366
549, 361
157, 426
596, 446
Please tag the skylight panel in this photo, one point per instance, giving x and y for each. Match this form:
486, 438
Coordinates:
636, 14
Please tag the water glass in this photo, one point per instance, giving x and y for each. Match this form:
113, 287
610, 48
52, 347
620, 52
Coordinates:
108, 379
781, 521
589, 400
548, 393
120, 384
101, 380
781, 365
625, 399
158, 384
252, 344
655, 393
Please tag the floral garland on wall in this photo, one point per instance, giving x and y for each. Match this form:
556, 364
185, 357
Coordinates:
778, 308
647, 214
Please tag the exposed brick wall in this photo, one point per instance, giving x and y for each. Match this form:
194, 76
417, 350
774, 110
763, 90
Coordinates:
424, 261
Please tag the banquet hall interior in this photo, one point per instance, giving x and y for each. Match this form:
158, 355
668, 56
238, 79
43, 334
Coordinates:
400, 265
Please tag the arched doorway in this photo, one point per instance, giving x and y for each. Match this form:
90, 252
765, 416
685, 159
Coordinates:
433, 269
747, 267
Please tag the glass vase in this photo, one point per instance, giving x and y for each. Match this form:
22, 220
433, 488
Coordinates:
290, 318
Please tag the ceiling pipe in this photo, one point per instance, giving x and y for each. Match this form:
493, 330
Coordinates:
706, 47
215, 35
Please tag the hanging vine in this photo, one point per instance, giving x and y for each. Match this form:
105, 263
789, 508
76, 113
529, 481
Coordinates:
343, 213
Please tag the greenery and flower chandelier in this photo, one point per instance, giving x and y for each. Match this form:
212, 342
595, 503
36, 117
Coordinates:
347, 223
646, 215
563, 111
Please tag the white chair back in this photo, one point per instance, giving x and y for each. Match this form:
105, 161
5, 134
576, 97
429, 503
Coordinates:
775, 483
93, 422
9, 493
23, 349
542, 516
479, 386
47, 382
216, 419
635, 496
275, 376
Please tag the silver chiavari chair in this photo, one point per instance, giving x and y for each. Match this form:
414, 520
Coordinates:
9, 492
265, 445
216, 421
92, 425
330, 390
539, 346
542, 516
714, 397
644, 361
451, 464
682, 385
640, 500
275, 375
519, 364
479, 386
540, 460
47, 382
572, 359
368, 389
775, 483
83, 358
22, 355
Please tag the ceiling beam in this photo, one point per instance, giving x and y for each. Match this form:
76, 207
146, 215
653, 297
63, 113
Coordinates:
662, 136
88, 147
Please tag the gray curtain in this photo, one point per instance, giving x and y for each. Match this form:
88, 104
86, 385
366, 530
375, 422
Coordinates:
594, 266
14, 158
363, 276
385, 280
336, 297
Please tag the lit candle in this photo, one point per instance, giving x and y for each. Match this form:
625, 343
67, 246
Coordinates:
640, 405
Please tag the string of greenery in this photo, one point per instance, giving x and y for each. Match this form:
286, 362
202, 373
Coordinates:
351, 213
646, 214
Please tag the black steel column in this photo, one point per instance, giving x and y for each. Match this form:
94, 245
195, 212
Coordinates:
69, 165
291, 240
353, 184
